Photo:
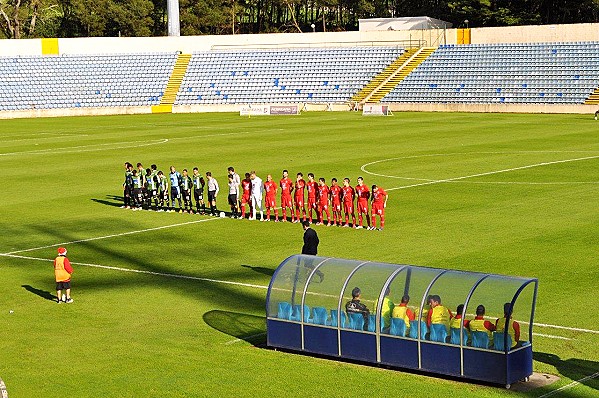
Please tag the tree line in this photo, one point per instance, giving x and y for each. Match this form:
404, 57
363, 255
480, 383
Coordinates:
92, 18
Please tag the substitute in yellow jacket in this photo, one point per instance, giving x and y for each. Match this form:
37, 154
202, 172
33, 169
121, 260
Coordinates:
62, 274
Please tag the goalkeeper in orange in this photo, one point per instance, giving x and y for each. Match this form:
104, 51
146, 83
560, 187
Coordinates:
62, 274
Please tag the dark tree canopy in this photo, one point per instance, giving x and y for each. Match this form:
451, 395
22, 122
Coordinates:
80, 18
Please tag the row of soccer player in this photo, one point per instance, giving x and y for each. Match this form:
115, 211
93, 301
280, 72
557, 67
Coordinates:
149, 188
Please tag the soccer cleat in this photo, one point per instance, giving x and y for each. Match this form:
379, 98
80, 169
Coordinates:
346, 225
359, 227
69, 300
180, 211
59, 301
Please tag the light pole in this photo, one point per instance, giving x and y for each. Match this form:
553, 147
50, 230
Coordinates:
466, 22
313, 28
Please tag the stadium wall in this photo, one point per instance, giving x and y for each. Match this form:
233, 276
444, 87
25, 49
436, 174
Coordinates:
187, 44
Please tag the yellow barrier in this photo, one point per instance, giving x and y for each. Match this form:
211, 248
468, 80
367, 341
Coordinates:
49, 46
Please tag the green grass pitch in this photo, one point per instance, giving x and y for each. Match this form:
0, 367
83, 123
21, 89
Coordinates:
520, 197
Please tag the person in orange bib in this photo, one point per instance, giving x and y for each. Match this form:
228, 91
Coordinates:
62, 274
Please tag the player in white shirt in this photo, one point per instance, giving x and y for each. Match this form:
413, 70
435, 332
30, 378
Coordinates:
257, 191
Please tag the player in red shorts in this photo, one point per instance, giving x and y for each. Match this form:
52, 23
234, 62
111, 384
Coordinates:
348, 195
270, 187
246, 188
300, 185
335, 197
286, 188
379, 202
363, 194
312, 188
323, 202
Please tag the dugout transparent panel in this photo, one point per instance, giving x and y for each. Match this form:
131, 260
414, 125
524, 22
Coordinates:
416, 283
325, 286
453, 288
370, 278
288, 283
494, 291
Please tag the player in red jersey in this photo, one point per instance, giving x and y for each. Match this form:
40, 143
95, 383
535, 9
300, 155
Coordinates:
335, 197
270, 187
348, 194
286, 188
246, 188
363, 194
323, 202
379, 202
300, 185
311, 186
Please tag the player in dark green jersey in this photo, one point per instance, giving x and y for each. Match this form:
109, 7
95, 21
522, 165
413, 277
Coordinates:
151, 190
127, 186
138, 186
198, 191
186, 186
162, 191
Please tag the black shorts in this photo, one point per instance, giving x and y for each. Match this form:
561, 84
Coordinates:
187, 195
211, 196
175, 193
233, 199
63, 285
198, 194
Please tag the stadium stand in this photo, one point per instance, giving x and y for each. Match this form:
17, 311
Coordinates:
282, 75
72, 81
548, 73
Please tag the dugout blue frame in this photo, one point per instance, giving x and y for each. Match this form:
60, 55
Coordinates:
305, 309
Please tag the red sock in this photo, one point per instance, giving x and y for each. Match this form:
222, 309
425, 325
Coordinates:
276, 214
268, 213
243, 211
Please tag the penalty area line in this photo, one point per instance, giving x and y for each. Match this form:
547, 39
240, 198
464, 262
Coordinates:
197, 278
139, 231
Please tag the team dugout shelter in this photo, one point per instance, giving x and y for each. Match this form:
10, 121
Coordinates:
306, 312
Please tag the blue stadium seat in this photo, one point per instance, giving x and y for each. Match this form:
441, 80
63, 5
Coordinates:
414, 330
398, 327
284, 310
296, 314
320, 316
438, 333
356, 321
480, 340
499, 341
334, 318
455, 336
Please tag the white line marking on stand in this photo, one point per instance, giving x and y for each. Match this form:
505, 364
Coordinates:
568, 386
252, 286
112, 235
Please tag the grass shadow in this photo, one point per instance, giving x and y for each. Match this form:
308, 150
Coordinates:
39, 292
111, 200
260, 270
246, 327
572, 368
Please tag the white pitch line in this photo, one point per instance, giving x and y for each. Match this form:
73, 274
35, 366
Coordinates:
568, 386
110, 236
92, 147
140, 271
530, 166
550, 336
249, 285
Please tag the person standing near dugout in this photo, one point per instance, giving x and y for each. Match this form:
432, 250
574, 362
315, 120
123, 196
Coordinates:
62, 275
